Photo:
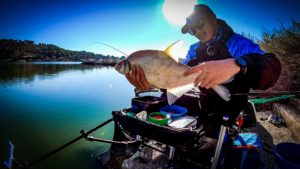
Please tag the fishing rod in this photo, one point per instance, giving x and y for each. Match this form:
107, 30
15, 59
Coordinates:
8, 164
105, 44
271, 93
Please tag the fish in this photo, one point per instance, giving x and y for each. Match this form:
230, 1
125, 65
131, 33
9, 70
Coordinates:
163, 70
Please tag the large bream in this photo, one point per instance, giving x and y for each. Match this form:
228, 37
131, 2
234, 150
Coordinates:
162, 70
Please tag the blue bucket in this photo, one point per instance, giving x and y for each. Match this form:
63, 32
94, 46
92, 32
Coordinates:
287, 155
174, 111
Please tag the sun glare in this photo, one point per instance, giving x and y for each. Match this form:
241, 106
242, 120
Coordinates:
175, 11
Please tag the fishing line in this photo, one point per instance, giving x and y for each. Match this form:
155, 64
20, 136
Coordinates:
105, 44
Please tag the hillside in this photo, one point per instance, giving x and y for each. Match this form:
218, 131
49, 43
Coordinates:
284, 42
18, 50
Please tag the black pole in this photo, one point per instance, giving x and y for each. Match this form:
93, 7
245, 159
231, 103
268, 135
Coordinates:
67, 144
91, 138
271, 93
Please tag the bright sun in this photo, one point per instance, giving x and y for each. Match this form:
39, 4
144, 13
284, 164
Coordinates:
175, 11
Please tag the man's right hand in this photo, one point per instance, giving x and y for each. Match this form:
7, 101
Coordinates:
137, 78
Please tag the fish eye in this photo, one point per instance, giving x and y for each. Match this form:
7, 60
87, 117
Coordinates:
122, 63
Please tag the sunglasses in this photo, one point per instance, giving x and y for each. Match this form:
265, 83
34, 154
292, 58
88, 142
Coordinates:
192, 30
194, 25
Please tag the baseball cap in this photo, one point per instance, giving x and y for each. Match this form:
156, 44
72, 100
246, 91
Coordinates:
199, 13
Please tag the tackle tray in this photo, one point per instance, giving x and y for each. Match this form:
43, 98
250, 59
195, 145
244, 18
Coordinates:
177, 137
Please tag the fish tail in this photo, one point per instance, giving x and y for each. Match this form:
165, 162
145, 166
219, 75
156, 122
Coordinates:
223, 92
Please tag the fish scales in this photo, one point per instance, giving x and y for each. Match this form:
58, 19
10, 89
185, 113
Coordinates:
163, 71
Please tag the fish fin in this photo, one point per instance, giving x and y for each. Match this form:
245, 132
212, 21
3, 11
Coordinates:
223, 92
174, 93
174, 50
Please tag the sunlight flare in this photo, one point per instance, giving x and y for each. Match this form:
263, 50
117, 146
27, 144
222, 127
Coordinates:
175, 11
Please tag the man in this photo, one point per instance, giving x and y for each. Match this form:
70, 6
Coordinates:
220, 57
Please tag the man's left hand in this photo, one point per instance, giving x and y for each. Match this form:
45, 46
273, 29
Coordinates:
212, 73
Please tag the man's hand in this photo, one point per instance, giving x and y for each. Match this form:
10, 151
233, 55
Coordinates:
137, 78
212, 73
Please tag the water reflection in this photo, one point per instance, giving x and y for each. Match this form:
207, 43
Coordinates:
46, 105
28, 72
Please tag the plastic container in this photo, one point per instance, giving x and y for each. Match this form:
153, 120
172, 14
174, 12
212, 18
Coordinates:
147, 103
174, 111
287, 155
131, 114
158, 118
183, 122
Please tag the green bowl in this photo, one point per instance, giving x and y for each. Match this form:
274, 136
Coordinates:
131, 114
158, 118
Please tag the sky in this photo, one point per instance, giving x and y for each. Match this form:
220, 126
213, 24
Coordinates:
130, 25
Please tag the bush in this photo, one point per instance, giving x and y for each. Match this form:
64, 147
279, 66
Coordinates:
285, 43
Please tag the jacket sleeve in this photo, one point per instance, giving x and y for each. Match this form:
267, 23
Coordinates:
263, 70
191, 53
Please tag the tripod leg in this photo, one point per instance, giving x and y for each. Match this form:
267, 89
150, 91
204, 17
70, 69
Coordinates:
8, 164
220, 143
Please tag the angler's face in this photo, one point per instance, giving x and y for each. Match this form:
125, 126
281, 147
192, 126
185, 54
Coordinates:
204, 29
123, 66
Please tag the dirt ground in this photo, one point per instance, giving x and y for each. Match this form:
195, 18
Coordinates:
270, 134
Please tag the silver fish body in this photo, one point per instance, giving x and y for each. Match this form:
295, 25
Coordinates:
164, 72
161, 70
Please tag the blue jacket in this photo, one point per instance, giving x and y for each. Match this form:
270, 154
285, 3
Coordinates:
263, 69
237, 46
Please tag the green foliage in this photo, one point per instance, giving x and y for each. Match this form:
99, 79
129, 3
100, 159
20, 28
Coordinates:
285, 43
15, 50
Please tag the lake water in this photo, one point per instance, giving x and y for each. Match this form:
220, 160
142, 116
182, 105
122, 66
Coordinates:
45, 105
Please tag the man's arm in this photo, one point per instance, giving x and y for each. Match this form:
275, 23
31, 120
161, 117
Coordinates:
262, 69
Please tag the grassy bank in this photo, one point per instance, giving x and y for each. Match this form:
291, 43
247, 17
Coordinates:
285, 43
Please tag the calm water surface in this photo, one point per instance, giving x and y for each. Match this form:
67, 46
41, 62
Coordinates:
45, 105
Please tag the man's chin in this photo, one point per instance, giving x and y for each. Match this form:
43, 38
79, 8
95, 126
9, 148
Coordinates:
203, 40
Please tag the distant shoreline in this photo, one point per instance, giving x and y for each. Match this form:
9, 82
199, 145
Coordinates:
21, 51
92, 63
